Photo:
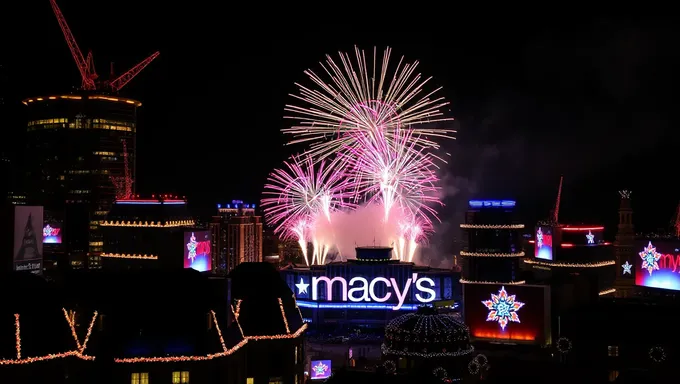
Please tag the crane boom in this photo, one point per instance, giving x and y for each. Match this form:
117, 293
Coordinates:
556, 211
86, 72
125, 78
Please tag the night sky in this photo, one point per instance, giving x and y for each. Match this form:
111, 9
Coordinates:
589, 99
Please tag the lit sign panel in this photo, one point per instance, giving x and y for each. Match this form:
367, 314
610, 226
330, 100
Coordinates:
51, 234
543, 244
378, 289
582, 236
492, 203
658, 265
321, 369
28, 244
197, 250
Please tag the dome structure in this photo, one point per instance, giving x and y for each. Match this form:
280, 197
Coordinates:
427, 334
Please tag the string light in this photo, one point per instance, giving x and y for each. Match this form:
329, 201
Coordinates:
28, 360
390, 366
283, 314
563, 345
440, 372
295, 335
607, 291
237, 322
596, 264
473, 367
464, 281
148, 224
484, 254
490, 226
129, 256
657, 354
219, 331
482, 360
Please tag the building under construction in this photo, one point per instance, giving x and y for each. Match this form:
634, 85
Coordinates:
81, 153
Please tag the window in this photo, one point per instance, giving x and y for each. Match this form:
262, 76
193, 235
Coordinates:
180, 377
275, 380
250, 380
140, 378
613, 350
296, 355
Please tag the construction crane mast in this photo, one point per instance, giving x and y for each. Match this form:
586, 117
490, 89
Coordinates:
123, 184
556, 211
85, 64
676, 222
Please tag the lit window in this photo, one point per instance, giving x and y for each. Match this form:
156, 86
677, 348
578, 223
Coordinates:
250, 380
180, 377
275, 380
613, 350
140, 378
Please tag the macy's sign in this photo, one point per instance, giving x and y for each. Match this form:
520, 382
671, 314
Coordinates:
361, 289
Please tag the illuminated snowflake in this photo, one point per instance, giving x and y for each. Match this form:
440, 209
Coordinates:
539, 238
503, 308
191, 247
650, 258
320, 369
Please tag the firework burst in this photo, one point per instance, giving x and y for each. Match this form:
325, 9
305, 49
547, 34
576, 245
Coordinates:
357, 98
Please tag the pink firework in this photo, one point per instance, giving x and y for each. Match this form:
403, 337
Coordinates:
395, 173
302, 191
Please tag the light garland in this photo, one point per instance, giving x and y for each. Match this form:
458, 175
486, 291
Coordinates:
148, 224
297, 306
563, 345
128, 256
440, 372
491, 254
235, 313
425, 355
390, 366
657, 354
288, 335
482, 360
28, 360
464, 281
597, 264
491, 226
473, 367
283, 315
607, 291
435, 331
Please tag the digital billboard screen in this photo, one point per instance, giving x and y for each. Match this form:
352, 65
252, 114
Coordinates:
321, 369
51, 233
197, 250
657, 264
512, 313
543, 243
28, 240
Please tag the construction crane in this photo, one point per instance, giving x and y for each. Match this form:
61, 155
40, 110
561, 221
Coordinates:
555, 214
676, 222
123, 184
86, 63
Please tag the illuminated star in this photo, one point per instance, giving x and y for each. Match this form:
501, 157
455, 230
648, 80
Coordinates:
539, 238
627, 267
650, 258
302, 287
320, 369
590, 237
503, 308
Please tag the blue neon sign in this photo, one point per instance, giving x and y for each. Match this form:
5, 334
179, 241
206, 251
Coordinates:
492, 203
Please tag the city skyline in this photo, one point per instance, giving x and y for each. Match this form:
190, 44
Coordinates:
527, 111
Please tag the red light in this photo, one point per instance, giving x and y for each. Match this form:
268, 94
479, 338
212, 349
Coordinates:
567, 245
507, 336
583, 228
532, 241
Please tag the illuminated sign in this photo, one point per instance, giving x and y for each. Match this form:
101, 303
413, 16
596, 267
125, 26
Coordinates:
543, 248
582, 236
492, 203
363, 290
51, 234
321, 369
197, 250
658, 265
503, 308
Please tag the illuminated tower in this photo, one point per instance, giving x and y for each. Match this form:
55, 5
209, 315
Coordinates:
492, 244
624, 248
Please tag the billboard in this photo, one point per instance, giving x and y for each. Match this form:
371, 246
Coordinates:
52, 233
321, 369
197, 250
543, 245
657, 264
582, 236
28, 242
511, 313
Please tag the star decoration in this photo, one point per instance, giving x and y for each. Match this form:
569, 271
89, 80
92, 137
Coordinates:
320, 369
650, 258
590, 237
503, 308
539, 238
302, 287
627, 267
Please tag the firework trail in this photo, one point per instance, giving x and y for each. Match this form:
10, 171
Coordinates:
301, 192
358, 99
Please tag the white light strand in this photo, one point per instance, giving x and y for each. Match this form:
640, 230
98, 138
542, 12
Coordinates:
491, 254
597, 264
491, 226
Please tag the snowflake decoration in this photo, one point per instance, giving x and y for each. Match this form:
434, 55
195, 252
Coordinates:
627, 268
590, 237
191, 247
650, 258
539, 238
503, 308
320, 369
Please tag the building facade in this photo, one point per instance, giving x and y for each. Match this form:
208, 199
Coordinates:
236, 236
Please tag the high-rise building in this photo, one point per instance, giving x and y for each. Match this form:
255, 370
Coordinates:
236, 236
79, 148
492, 244
624, 249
